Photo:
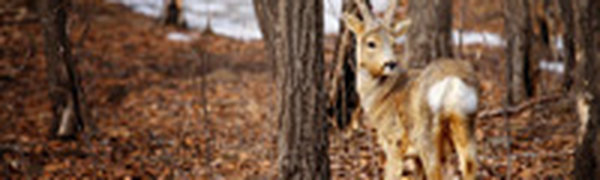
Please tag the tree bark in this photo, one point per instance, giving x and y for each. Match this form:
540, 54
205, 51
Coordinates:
297, 46
518, 66
31, 5
587, 154
429, 36
344, 96
566, 15
173, 14
266, 13
64, 89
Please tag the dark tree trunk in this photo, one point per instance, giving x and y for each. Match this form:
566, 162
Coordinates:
587, 154
297, 46
31, 5
566, 15
518, 65
63, 81
429, 36
173, 14
344, 95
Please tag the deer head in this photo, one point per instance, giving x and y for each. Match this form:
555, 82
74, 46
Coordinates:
375, 39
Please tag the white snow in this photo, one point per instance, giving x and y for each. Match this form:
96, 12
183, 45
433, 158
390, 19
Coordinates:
552, 66
236, 18
472, 37
180, 37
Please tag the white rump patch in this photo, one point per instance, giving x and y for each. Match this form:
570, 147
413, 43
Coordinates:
452, 94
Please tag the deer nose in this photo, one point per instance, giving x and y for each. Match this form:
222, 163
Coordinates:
390, 65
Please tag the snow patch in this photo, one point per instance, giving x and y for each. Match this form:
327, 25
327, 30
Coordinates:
472, 38
180, 37
552, 66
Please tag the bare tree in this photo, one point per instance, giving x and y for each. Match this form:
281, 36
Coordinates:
266, 14
566, 15
517, 24
344, 99
31, 5
296, 43
429, 36
173, 14
64, 88
587, 154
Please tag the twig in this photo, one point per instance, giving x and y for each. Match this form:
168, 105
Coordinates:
84, 33
86, 26
81, 98
337, 71
507, 135
512, 110
205, 117
338, 106
203, 57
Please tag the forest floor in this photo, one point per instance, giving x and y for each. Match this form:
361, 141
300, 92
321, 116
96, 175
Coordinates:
145, 93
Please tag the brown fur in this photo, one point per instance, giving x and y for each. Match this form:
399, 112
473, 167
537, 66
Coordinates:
396, 105
401, 114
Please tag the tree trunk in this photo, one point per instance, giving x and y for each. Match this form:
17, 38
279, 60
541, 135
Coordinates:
587, 154
173, 14
266, 13
517, 26
62, 77
31, 5
297, 45
344, 95
429, 36
566, 15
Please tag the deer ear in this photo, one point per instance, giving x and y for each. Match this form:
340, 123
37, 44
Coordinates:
354, 24
401, 27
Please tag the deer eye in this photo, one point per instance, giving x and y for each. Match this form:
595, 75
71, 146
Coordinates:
371, 44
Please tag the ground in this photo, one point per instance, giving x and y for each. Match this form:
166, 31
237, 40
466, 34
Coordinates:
146, 94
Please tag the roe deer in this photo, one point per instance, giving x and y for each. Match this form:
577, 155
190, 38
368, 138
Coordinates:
416, 113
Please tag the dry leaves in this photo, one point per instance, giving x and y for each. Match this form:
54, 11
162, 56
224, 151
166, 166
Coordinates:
145, 95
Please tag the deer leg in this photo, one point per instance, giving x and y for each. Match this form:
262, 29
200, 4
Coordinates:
393, 164
465, 145
431, 156
431, 163
432, 151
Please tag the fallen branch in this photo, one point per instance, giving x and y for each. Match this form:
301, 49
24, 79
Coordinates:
512, 110
11, 148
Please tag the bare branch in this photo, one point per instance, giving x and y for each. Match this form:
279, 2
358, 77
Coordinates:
511, 110
364, 11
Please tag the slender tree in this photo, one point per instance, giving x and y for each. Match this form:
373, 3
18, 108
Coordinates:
429, 36
343, 91
266, 13
517, 26
296, 43
30, 4
173, 14
64, 90
566, 15
587, 154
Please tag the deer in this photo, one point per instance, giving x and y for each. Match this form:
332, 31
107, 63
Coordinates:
421, 113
